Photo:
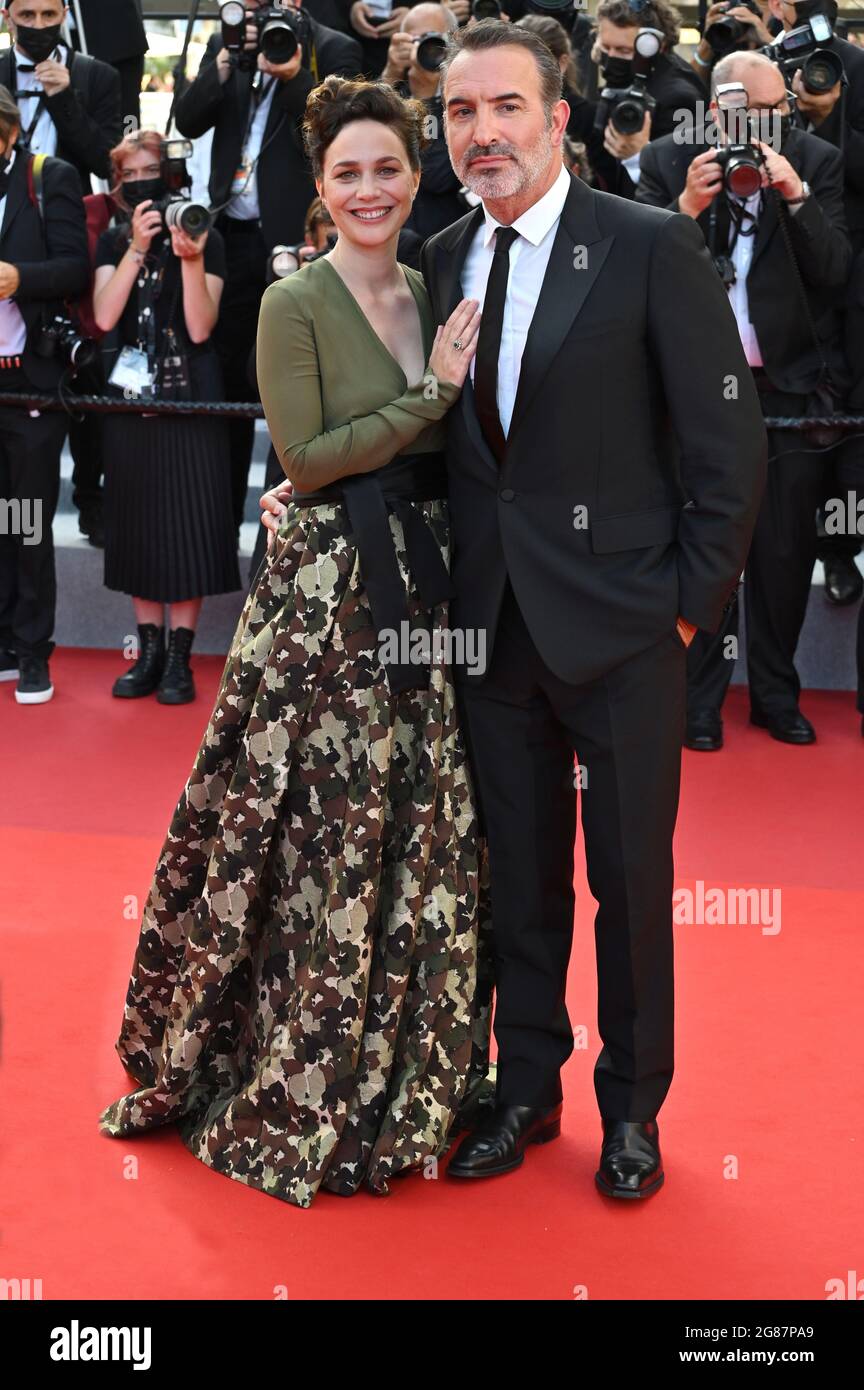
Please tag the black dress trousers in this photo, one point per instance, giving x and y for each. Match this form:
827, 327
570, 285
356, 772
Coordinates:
523, 725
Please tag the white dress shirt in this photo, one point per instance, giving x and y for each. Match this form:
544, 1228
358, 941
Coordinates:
43, 139
245, 206
13, 330
529, 257
742, 257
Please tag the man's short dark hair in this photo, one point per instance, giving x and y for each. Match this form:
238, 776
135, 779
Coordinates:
10, 114
658, 14
494, 33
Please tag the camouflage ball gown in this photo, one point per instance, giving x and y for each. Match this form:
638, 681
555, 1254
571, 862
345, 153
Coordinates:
310, 995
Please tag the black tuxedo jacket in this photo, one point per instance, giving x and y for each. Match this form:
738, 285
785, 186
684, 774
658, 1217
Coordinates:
844, 129
631, 480
53, 262
87, 115
818, 235
114, 29
285, 184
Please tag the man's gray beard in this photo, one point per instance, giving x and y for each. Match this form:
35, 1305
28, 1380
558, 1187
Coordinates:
527, 168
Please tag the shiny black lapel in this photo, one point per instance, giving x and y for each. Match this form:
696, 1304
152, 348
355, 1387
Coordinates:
578, 254
451, 263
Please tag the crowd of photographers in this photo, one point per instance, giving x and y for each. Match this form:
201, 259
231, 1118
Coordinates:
143, 294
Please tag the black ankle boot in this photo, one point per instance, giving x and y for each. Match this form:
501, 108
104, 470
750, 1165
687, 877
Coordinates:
144, 674
177, 686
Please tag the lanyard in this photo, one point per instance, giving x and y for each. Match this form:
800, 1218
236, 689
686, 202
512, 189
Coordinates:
29, 94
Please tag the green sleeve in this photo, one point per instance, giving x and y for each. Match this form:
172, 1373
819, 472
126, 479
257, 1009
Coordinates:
289, 378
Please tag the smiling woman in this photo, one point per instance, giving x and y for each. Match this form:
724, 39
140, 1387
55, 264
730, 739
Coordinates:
310, 1001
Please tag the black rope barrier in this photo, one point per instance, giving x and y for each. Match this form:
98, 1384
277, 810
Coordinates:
134, 405
253, 410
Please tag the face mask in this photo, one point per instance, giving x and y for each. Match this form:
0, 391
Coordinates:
139, 190
38, 44
617, 72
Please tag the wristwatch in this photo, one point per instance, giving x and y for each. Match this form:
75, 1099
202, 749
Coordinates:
805, 194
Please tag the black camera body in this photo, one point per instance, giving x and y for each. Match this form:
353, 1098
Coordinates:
285, 260
59, 338
177, 207
280, 32
725, 34
624, 97
801, 50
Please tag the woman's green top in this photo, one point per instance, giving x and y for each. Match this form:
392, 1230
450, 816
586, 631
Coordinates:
335, 399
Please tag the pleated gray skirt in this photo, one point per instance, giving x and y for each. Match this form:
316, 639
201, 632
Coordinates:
169, 528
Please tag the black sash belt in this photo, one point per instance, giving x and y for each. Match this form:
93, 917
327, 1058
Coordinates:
368, 498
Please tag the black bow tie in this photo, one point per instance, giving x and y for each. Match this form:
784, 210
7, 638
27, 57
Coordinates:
25, 67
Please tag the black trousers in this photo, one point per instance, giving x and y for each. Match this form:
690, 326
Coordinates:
131, 72
522, 726
85, 442
777, 579
30, 452
234, 338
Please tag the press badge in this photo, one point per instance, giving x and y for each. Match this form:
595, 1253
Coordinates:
240, 182
132, 372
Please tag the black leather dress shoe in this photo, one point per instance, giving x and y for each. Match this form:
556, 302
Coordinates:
843, 582
789, 726
704, 731
498, 1143
630, 1164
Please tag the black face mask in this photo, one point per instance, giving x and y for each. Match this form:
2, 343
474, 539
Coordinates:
139, 190
617, 72
38, 44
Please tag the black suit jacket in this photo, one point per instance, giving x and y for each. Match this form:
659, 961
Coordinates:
621, 410
53, 262
87, 115
844, 129
818, 236
114, 29
285, 184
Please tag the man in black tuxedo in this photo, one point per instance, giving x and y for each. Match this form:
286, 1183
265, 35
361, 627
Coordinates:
838, 117
787, 342
260, 180
70, 103
114, 32
605, 468
44, 259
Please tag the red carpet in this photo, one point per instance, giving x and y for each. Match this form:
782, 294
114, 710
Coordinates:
768, 1081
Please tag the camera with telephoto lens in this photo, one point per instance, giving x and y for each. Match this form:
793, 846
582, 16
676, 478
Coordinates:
177, 207
725, 33
431, 50
624, 98
280, 31
799, 50
485, 9
740, 160
284, 260
60, 338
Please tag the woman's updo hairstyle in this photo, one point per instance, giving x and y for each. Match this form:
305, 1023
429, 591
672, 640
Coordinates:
337, 101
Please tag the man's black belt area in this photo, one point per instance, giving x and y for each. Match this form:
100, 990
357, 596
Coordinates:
368, 500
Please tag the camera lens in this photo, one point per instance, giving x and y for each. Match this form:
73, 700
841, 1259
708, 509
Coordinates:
430, 51
278, 41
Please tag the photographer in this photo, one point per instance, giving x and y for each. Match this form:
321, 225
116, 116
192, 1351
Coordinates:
162, 286
43, 261
412, 59
668, 86
731, 28
70, 103
835, 113
773, 221
260, 177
